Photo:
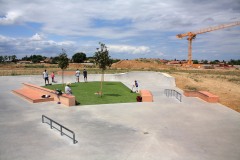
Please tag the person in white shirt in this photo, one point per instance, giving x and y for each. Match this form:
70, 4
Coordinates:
68, 89
77, 74
45, 76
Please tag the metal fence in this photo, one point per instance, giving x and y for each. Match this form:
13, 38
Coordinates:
172, 92
61, 129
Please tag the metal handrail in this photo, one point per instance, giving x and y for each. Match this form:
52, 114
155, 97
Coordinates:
172, 92
61, 128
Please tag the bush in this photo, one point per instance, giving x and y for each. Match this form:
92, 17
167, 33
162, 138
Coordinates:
139, 99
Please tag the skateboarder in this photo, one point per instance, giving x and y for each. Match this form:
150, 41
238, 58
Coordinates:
135, 86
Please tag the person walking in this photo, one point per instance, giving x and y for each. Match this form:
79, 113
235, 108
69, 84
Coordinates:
45, 77
77, 74
135, 86
85, 75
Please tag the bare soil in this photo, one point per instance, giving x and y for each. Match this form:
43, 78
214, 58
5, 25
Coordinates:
226, 87
221, 82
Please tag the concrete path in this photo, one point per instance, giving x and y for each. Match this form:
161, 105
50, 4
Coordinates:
165, 129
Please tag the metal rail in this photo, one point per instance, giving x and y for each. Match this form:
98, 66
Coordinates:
172, 92
51, 122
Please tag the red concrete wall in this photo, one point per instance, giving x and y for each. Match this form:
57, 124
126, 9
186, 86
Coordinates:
146, 96
204, 95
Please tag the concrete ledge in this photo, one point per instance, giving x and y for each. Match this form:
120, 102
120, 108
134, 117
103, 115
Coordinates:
32, 93
32, 96
204, 95
146, 96
67, 73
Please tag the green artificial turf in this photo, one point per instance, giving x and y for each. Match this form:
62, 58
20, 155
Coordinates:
113, 92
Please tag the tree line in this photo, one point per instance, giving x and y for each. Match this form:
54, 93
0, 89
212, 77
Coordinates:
81, 57
231, 62
78, 57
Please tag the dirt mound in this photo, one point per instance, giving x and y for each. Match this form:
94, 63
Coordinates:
134, 64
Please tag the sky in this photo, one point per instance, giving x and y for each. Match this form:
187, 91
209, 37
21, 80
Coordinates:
130, 29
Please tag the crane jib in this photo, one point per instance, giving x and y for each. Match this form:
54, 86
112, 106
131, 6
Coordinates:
191, 35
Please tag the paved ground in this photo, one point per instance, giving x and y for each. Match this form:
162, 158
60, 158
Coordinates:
165, 129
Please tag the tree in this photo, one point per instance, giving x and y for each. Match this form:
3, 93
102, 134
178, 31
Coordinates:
234, 62
5, 58
1, 59
195, 61
63, 62
214, 62
79, 57
102, 60
26, 58
205, 61
14, 58
55, 60
37, 58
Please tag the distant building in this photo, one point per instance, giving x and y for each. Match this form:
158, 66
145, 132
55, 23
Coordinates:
174, 63
163, 61
48, 60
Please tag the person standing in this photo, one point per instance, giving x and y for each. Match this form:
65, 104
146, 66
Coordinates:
77, 74
45, 77
85, 75
53, 76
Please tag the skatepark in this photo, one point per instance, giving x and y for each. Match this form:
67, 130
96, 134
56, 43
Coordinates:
163, 129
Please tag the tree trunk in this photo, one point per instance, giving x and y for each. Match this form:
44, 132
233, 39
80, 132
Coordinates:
62, 77
102, 79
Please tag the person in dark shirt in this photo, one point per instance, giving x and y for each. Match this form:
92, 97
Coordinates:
135, 86
85, 75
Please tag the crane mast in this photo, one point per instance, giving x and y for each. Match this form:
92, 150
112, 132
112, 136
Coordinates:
192, 35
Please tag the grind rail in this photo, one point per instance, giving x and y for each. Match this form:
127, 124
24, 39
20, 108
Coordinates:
51, 122
172, 92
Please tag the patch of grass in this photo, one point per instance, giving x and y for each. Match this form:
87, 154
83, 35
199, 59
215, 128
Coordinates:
196, 80
34, 66
191, 88
234, 80
113, 92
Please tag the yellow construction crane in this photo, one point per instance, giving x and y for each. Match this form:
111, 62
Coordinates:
192, 35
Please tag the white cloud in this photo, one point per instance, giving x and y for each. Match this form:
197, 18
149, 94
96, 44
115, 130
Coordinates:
137, 22
22, 46
36, 37
77, 17
10, 18
129, 49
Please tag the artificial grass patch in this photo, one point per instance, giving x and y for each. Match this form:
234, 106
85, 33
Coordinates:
113, 92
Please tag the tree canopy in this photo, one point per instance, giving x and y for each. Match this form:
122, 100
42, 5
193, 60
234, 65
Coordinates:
102, 58
63, 60
79, 57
